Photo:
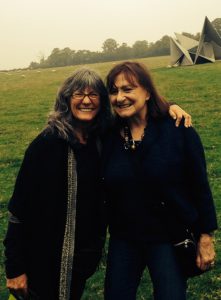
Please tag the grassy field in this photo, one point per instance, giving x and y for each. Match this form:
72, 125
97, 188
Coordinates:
26, 97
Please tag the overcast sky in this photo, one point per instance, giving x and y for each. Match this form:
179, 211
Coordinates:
32, 28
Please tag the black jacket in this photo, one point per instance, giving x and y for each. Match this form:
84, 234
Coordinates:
174, 165
44, 203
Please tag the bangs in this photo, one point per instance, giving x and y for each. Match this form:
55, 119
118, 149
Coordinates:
129, 74
131, 78
87, 79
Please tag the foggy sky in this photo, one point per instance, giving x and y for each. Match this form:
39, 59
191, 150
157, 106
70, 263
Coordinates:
32, 28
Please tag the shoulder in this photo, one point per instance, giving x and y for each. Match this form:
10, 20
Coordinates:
168, 124
181, 135
46, 142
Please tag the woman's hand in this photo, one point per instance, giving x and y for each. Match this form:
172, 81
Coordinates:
205, 252
18, 284
177, 113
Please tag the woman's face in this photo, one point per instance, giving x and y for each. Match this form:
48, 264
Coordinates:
127, 99
85, 104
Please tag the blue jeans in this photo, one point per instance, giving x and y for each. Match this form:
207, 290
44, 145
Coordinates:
126, 263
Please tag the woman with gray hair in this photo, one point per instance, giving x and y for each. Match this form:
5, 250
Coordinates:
57, 227
56, 230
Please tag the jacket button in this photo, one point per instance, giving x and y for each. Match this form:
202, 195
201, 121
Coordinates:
162, 203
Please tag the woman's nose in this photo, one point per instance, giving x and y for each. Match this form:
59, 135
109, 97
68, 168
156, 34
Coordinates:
120, 96
86, 100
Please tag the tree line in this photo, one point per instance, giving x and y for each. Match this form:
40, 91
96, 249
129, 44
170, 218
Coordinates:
111, 50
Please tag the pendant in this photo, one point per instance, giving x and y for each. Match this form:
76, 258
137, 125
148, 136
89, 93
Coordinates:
133, 146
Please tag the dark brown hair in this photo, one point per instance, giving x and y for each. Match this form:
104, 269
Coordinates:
137, 72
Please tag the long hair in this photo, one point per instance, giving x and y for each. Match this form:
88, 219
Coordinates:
137, 72
61, 118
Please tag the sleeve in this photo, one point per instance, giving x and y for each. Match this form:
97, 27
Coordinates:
15, 240
14, 252
197, 172
23, 185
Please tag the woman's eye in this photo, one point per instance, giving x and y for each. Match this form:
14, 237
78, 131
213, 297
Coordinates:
128, 90
113, 92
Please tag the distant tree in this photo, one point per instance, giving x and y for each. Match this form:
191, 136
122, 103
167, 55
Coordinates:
140, 48
123, 51
161, 47
55, 51
66, 56
217, 25
82, 56
109, 46
165, 41
33, 65
53, 58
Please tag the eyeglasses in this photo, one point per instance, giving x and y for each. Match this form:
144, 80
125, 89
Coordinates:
81, 96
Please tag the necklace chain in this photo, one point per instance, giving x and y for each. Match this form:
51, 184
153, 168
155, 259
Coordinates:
129, 142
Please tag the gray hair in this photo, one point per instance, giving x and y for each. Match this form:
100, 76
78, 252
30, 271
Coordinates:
62, 120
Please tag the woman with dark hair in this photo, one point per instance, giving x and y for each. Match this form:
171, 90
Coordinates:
57, 227
156, 185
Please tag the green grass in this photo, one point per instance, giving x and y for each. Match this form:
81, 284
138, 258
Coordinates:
26, 97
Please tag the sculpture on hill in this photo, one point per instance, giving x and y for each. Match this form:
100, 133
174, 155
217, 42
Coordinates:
185, 51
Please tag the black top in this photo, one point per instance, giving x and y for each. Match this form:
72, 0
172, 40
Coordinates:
88, 194
132, 215
161, 186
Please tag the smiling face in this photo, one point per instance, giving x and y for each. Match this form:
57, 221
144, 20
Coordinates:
85, 104
129, 99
